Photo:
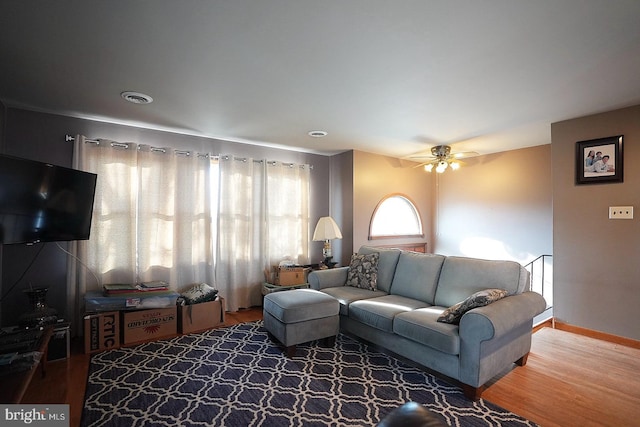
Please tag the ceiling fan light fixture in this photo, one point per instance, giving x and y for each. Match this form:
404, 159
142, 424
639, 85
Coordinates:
442, 158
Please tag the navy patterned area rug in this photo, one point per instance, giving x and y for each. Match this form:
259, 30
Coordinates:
237, 376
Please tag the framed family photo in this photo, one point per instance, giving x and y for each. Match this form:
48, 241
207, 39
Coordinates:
599, 160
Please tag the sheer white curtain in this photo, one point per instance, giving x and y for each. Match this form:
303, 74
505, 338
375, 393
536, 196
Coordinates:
263, 218
184, 218
110, 252
242, 250
288, 212
174, 241
152, 217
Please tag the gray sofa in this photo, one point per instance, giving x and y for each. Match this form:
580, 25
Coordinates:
414, 289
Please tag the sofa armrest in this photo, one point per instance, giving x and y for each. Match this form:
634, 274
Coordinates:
497, 319
329, 278
494, 336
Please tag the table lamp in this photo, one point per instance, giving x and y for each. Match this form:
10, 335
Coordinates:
326, 230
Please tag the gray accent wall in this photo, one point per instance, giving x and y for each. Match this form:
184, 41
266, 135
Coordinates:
341, 205
3, 111
596, 260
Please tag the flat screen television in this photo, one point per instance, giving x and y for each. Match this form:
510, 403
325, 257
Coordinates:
40, 202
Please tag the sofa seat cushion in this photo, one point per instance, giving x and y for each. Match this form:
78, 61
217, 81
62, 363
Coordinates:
348, 294
422, 326
379, 312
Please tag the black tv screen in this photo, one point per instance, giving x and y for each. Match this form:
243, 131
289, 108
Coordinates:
40, 202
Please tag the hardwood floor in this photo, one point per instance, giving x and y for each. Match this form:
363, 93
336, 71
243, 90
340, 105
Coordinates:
569, 380
572, 380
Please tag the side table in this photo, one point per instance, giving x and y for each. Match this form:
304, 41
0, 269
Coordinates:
16, 380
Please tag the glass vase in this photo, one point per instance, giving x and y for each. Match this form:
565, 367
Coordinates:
40, 314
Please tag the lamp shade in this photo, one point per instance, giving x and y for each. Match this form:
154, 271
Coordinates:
326, 229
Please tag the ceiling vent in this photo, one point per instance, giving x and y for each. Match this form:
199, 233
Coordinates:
318, 133
137, 97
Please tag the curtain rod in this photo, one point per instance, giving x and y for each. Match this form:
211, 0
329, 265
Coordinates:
69, 138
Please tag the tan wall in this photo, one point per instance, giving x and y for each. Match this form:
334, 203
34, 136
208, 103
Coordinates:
596, 260
497, 206
375, 177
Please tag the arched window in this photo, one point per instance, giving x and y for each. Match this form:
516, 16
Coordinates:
395, 216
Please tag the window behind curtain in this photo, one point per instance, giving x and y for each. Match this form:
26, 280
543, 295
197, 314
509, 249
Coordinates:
152, 215
263, 219
156, 217
288, 212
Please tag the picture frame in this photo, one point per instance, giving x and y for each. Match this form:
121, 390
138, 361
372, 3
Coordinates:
599, 160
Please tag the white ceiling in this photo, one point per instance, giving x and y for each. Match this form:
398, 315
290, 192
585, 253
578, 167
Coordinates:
388, 77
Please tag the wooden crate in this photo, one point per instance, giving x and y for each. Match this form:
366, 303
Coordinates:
289, 276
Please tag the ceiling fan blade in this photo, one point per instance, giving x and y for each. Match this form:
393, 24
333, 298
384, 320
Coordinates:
424, 163
464, 154
422, 157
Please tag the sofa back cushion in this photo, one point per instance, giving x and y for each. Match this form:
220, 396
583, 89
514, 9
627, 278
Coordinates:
462, 277
417, 276
386, 265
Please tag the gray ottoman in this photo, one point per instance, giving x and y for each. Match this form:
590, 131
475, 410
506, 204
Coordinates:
301, 315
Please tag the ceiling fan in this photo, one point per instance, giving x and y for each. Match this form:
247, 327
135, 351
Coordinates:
441, 158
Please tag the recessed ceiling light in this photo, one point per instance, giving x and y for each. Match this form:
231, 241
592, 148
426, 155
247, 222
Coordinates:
137, 97
317, 133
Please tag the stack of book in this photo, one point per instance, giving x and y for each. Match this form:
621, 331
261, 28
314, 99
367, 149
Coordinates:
145, 289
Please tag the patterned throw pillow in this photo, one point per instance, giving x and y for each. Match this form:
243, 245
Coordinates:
200, 293
363, 271
454, 313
